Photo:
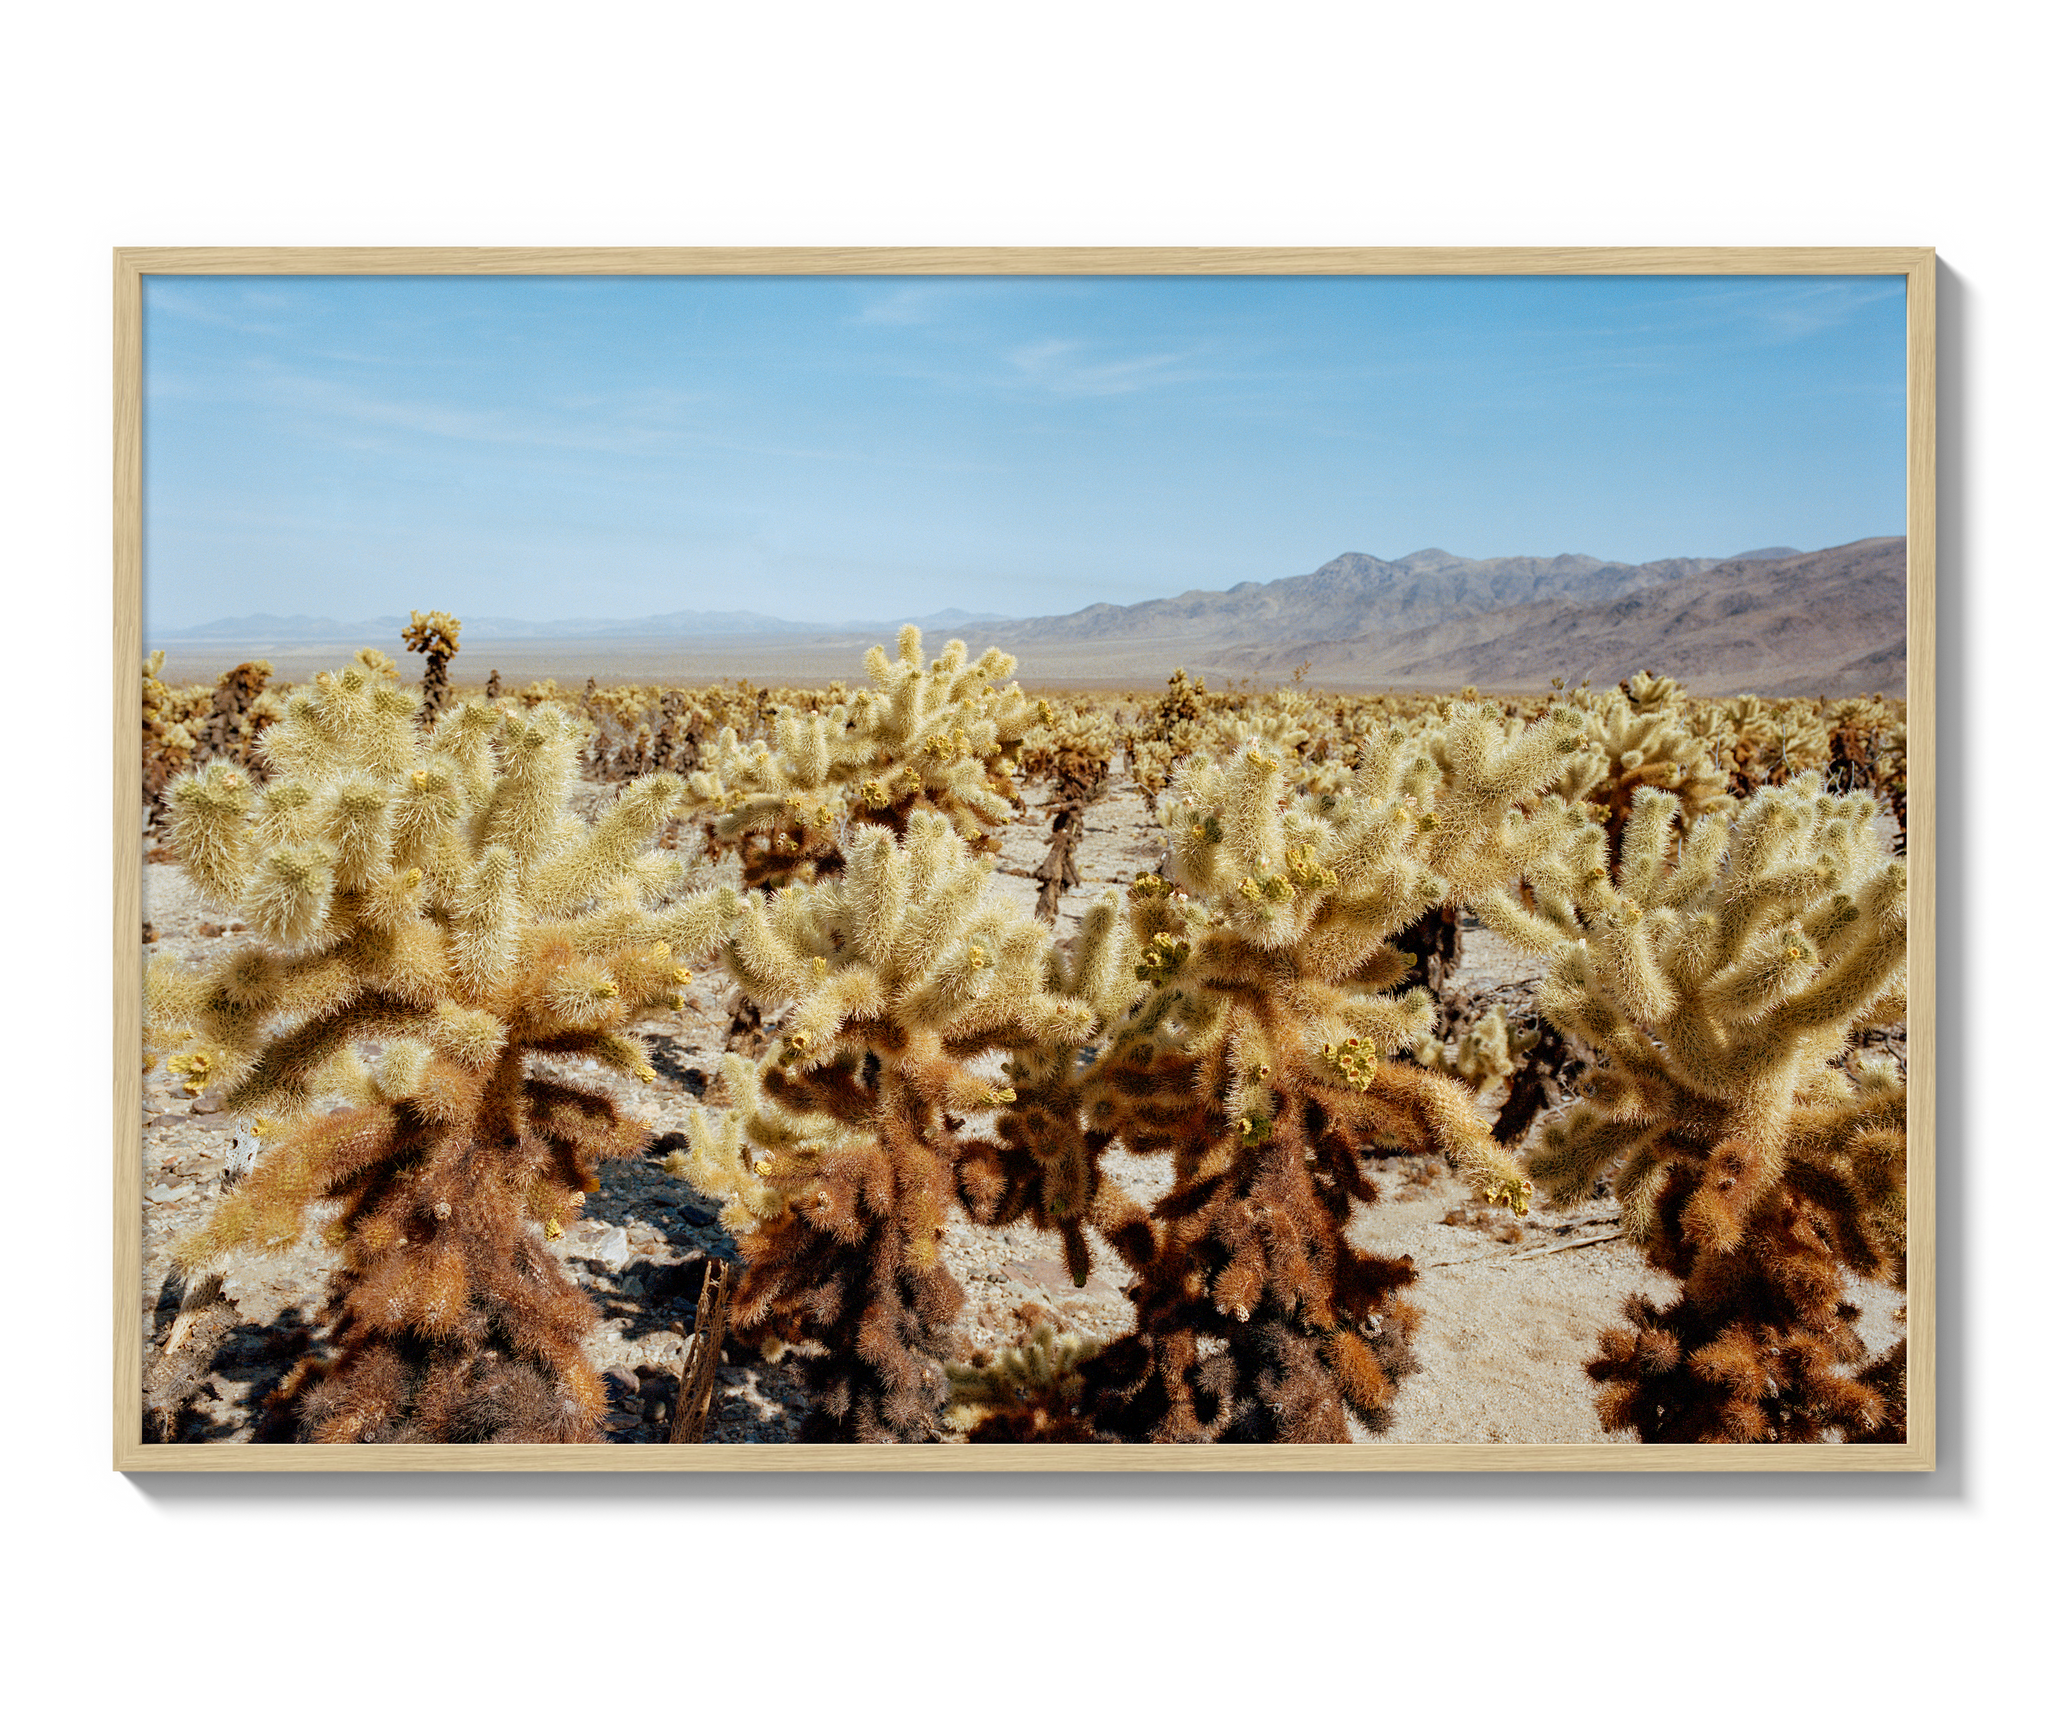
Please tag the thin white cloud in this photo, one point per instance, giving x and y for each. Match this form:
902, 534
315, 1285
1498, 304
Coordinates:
1063, 367
166, 298
907, 306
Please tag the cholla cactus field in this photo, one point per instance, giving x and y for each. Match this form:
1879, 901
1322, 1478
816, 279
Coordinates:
1177, 1064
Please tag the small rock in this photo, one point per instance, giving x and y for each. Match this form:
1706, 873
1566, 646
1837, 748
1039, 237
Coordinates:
148, 931
211, 930
625, 1382
206, 1104
164, 1194
612, 1250
697, 1217
238, 926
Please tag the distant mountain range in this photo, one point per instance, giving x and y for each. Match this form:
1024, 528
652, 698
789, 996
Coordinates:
488, 629
1828, 623
1357, 595
1825, 622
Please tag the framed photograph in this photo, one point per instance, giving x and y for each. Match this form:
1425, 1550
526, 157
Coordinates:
1012, 859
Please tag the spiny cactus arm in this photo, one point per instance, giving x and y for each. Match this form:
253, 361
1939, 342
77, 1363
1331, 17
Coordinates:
775, 946
228, 1006
1455, 1126
1647, 691
900, 905
209, 831
285, 813
1534, 932
1851, 1161
1861, 974
577, 1123
289, 894
486, 923
607, 852
538, 753
353, 821
461, 745
286, 1075
1575, 1000
699, 923
1579, 1147
1482, 771
301, 1165
754, 1156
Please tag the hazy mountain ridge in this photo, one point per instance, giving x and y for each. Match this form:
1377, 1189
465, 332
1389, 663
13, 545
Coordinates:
1355, 592
490, 629
1832, 621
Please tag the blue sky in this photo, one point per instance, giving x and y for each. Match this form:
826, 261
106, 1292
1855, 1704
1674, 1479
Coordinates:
860, 448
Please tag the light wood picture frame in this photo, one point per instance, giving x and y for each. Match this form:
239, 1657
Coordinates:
1915, 267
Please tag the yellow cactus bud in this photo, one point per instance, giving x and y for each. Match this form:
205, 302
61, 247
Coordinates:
198, 1068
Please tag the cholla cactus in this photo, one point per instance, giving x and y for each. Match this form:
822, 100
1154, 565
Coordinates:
939, 738
905, 973
167, 741
1069, 747
1650, 693
1484, 1056
241, 709
1717, 981
1266, 1059
426, 891
434, 634
1638, 739
1180, 712
1025, 1395
1045, 1163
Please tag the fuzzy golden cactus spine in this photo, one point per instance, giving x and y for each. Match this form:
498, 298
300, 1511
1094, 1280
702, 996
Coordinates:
1266, 1059
836, 1161
426, 890
1717, 982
